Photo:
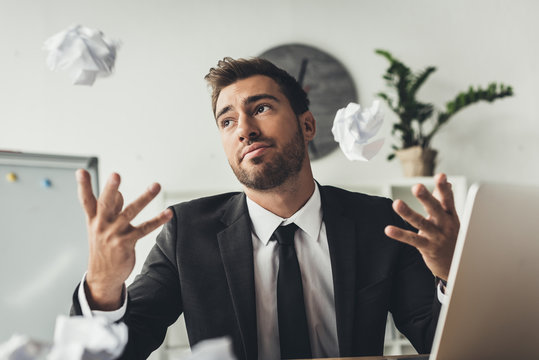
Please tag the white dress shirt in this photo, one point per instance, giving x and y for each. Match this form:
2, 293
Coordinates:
314, 261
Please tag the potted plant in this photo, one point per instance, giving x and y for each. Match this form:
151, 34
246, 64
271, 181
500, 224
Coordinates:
420, 121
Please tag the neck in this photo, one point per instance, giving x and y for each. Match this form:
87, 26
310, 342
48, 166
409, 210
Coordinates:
285, 200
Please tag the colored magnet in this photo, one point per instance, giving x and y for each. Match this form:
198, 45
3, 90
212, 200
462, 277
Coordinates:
11, 177
46, 183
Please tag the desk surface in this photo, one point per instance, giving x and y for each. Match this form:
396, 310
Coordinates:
401, 357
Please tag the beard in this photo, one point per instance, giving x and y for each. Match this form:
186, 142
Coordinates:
270, 174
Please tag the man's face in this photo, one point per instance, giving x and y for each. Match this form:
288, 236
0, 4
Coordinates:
261, 134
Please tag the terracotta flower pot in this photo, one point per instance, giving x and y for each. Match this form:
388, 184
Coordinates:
417, 161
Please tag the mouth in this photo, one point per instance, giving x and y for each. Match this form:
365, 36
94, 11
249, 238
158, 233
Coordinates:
254, 150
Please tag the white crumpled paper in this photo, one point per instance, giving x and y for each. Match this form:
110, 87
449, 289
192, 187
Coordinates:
353, 128
75, 338
20, 347
85, 53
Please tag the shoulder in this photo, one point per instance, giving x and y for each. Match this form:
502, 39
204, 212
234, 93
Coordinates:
360, 207
211, 203
209, 207
350, 197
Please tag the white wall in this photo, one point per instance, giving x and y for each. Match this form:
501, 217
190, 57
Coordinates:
151, 121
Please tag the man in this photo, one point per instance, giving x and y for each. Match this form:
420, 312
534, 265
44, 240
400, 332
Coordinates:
217, 262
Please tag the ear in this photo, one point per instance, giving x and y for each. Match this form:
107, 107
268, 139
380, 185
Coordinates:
308, 125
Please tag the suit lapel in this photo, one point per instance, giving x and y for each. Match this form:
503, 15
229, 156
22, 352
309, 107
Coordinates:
236, 247
341, 234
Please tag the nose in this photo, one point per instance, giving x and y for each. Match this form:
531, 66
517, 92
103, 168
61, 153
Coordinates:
247, 128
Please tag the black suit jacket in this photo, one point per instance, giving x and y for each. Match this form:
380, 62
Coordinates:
202, 265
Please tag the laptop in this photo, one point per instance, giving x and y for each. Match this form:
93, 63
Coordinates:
492, 310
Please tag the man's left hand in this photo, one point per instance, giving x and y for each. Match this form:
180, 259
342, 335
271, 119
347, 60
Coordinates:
437, 232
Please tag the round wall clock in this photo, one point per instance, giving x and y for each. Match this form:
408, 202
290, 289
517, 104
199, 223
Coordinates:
328, 84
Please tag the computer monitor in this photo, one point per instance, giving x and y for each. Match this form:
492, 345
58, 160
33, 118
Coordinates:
493, 285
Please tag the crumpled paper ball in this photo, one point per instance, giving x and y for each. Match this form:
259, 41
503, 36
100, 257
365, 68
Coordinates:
75, 338
354, 128
85, 53
84, 338
20, 347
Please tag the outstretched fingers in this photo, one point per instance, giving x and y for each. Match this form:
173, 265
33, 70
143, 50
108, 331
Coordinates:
112, 238
406, 236
437, 232
118, 202
430, 203
413, 218
133, 209
107, 204
148, 226
86, 196
444, 193
122, 223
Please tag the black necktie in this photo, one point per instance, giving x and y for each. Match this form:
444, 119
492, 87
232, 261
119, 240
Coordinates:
293, 330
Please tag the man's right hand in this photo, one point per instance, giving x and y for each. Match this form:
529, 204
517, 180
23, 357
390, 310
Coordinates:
112, 238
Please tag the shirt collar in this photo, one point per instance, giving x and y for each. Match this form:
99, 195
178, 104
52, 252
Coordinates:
308, 218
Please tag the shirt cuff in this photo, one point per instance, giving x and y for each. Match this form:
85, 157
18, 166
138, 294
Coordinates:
442, 297
111, 316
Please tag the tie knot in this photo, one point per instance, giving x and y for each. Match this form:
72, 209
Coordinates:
285, 234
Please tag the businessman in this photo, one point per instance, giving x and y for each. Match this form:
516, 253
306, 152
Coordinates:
288, 268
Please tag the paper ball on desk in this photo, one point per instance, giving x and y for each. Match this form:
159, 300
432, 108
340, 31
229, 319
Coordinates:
22, 347
85, 53
353, 128
84, 338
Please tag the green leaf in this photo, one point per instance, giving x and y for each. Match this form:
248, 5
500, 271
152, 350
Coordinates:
385, 54
420, 78
473, 96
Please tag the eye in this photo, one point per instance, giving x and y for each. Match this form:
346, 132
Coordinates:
262, 108
225, 123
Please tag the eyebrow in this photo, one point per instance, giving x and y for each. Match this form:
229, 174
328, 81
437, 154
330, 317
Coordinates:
249, 100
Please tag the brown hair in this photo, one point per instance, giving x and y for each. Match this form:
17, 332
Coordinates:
230, 70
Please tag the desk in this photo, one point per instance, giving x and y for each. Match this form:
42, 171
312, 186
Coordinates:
401, 357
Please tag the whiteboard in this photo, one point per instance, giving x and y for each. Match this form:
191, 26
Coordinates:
43, 241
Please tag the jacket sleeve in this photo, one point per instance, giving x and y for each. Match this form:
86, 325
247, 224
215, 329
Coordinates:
154, 298
414, 303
